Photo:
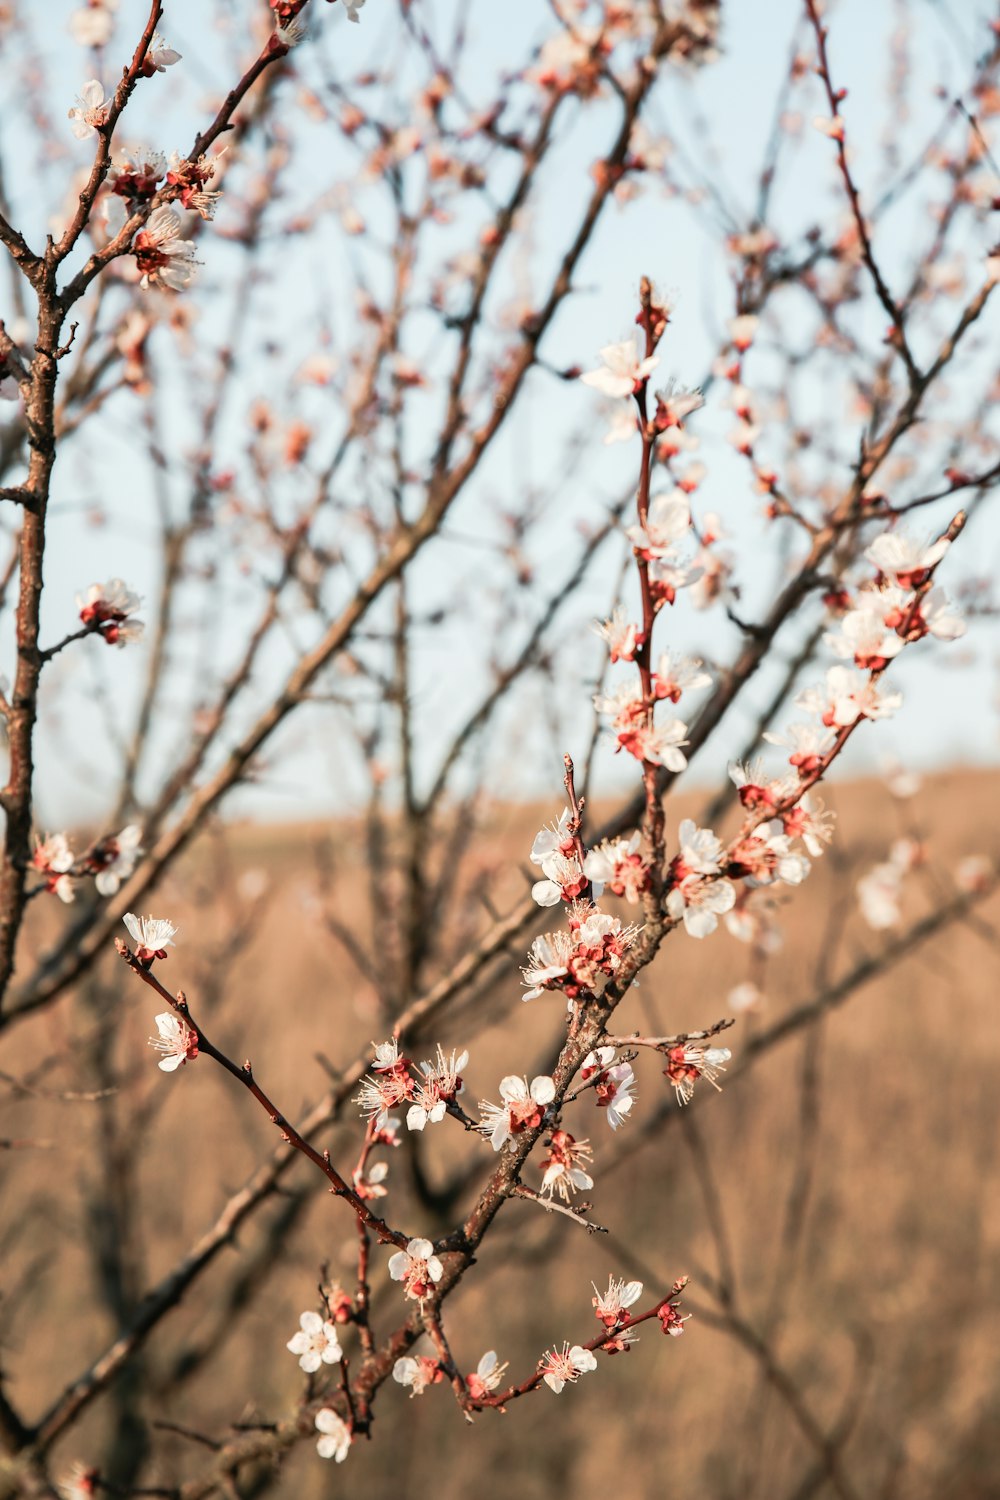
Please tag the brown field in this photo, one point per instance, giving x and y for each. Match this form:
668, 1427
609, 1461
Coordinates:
836, 1205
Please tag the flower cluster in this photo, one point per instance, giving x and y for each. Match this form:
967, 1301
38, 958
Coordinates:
106, 609
427, 1090
582, 960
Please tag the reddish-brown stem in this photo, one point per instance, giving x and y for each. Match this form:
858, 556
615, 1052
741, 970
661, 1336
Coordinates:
244, 1075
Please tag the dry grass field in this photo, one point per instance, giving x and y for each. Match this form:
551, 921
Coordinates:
836, 1205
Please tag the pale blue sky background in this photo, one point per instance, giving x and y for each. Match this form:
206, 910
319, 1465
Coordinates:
719, 122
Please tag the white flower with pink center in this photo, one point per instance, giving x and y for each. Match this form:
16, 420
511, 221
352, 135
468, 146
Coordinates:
909, 563
614, 1084
686, 1064
622, 370
675, 675
418, 1268
335, 1441
488, 1375
113, 859
766, 855
880, 895
618, 865
847, 696
562, 1172
863, 637
159, 56
92, 26
176, 1040
164, 258
668, 521
316, 1343
809, 744
699, 851
699, 903
523, 1108
91, 110
811, 822
611, 1307
106, 608
151, 935
756, 790
54, 858
674, 404
416, 1371
440, 1082
622, 635
559, 1367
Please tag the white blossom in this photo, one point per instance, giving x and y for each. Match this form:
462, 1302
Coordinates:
316, 1343
621, 370
560, 1367
176, 1040
336, 1439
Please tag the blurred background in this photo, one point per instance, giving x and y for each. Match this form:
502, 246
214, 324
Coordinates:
430, 224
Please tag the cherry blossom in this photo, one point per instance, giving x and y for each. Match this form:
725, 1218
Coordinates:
700, 903
91, 110
80, 1484
622, 372
932, 615
686, 1064
581, 960
614, 1084
809, 744
675, 675
440, 1082
908, 562
831, 125
973, 872
523, 1108
559, 1367
757, 791
177, 1041
810, 822
766, 854
864, 638
417, 1267
612, 1306
336, 1439
488, 1375
618, 865
623, 637
353, 7
745, 996
159, 56
880, 895
135, 175
93, 25
668, 520
113, 859
54, 858
555, 849
848, 696
742, 331
106, 608
191, 176
674, 405
163, 257
699, 852
561, 1172
417, 1372
316, 1343
151, 935
371, 1184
